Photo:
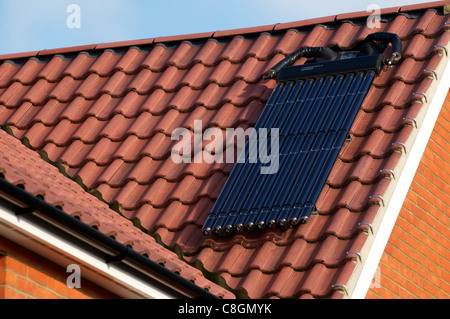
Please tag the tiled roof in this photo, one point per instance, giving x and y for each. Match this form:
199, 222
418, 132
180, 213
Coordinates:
104, 114
25, 168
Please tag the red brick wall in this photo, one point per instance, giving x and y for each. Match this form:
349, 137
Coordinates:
415, 263
24, 274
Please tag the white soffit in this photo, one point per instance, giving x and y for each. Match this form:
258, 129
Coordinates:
40, 238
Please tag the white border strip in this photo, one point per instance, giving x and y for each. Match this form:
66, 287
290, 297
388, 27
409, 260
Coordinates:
61, 251
402, 188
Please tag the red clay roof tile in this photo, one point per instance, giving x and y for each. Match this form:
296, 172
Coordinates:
244, 31
185, 37
121, 44
19, 165
106, 118
367, 13
304, 23
421, 6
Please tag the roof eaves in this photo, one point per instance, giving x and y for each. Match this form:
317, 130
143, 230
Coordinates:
88, 234
44, 198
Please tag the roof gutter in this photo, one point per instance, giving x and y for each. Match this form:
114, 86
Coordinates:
114, 251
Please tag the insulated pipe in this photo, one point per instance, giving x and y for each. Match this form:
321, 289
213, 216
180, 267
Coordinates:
392, 38
291, 58
101, 241
330, 55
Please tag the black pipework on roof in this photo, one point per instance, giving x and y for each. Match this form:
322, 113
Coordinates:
370, 56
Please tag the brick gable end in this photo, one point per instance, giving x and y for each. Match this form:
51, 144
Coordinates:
415, 263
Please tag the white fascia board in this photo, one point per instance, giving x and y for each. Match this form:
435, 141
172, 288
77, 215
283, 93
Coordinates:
402, 187
60, 249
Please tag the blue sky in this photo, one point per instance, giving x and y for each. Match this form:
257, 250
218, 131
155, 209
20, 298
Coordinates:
29, 25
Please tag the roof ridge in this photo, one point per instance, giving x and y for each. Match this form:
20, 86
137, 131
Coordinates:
226, 33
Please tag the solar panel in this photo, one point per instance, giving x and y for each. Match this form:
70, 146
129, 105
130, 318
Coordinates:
313, 114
